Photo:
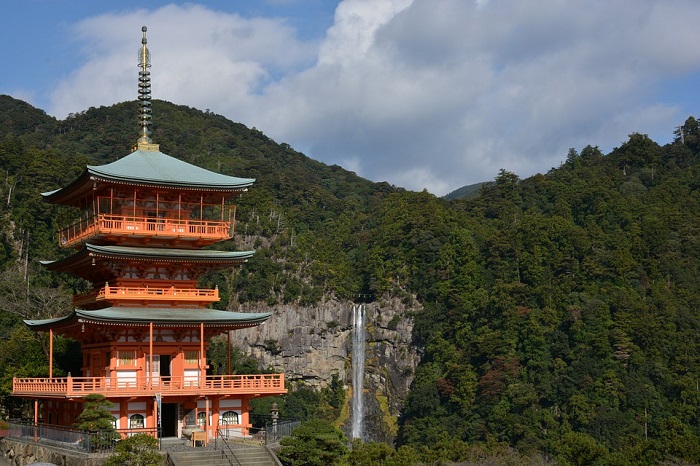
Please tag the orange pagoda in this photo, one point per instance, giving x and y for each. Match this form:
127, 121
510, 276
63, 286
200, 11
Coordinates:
145, 327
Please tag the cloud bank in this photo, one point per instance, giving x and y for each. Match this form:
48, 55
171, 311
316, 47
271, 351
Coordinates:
424, 94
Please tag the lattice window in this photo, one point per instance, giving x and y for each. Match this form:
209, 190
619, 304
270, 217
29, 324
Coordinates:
191, 357
229, 417
136, 421
126, 358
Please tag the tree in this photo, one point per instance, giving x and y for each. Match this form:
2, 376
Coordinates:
689, 134
96, 418
137, 450
367, 454
580, 449
95, 415
21, 355
314, 443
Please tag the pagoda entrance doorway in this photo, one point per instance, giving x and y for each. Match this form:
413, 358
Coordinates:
161, 368
168, 420
164, 360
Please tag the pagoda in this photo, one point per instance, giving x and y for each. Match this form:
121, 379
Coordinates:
144, 327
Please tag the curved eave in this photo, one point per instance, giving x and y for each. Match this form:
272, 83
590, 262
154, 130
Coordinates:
89, 251
169, 254
76, 188
151, 169
161, 317
174, 184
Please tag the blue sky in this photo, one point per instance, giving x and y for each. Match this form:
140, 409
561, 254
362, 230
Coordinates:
424, 94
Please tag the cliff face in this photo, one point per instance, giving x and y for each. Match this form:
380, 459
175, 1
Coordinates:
310, 344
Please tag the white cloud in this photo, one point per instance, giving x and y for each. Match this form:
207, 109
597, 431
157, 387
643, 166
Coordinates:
420, 93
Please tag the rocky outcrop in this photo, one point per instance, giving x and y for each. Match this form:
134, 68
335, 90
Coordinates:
310, 344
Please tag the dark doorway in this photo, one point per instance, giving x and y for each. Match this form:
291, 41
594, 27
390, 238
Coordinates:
165, 365
168, 419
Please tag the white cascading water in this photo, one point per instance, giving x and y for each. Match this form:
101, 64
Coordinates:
358, 368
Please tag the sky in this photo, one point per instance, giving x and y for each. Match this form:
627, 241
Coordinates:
423, 94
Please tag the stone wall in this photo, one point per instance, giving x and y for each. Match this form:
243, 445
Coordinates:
310, 344
19, 453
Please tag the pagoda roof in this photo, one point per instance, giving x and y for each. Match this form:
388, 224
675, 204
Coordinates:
142, 316
81, 262
150, 168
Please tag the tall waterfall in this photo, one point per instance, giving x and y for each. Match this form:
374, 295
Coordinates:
358, 368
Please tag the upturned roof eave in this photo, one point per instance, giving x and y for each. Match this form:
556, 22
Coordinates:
175, 184
121, 172
83, 184
151, 254
167, 317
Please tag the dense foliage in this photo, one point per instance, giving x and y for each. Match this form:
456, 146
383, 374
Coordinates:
559, 313
572, 319
314, 443
137, 450
97, 419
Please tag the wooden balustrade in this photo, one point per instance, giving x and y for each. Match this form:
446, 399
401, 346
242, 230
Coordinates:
69, 387
131, 293
122, 225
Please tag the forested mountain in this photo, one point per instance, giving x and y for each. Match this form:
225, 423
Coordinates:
559, 314
470, 190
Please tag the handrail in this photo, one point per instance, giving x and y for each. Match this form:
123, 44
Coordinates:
101, 441
166, 385
129, 225
216, 445
150, 293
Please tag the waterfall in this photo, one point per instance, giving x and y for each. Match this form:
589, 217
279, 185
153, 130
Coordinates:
358, 368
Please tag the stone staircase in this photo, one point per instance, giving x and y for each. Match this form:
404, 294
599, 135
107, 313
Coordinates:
252, 456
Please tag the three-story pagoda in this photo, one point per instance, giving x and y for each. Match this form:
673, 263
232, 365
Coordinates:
145, 327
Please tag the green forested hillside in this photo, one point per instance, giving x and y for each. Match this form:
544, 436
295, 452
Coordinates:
572, 319
560, 312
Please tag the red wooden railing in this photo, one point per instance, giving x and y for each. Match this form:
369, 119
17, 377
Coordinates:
131, 293
140, 386
123, 225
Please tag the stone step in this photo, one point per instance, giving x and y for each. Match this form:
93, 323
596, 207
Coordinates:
258, 456
197, 458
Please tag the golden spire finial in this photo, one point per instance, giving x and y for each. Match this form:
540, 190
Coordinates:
145, 142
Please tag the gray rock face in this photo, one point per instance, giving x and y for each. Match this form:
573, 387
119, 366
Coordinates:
310, 344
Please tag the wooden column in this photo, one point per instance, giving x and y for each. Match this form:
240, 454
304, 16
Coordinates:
51, 353
215, 414
206, 420
228, 371
36, 419
124, 414
155, 416
202, 358
245, 418
150, 355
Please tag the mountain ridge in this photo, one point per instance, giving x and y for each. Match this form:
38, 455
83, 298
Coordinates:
556, 314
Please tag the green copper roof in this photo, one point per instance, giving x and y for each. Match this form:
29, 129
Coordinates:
92, 262
151, 168
169, 254
159, 316
161, 169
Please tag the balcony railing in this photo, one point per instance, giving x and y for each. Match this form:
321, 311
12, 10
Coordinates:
254, 384
129, 226
132, 293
